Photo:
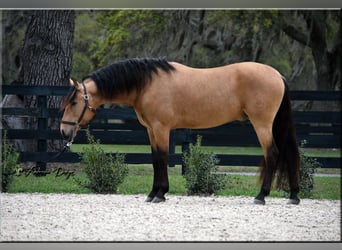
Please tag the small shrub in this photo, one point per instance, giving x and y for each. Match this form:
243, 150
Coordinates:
308, 166
105, 172
199, 168
9, 161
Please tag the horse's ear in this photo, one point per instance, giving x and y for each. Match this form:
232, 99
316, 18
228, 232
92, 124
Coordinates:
74, 83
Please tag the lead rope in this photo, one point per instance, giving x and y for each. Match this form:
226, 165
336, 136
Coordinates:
65, 148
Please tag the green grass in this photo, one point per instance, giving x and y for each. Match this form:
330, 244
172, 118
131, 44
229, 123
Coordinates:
139, 181
115, 148
47, 184
238, 185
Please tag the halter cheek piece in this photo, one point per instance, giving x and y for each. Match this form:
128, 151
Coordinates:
86, 106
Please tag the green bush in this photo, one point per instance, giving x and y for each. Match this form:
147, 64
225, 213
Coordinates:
9, 161
104, 171
199, 171
308, 166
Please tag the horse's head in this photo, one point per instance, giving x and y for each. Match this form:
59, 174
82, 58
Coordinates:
77, 110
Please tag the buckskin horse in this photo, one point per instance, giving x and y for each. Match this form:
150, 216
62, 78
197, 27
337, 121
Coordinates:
168, 95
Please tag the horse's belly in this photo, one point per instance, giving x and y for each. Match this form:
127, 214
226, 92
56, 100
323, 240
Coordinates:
201, 120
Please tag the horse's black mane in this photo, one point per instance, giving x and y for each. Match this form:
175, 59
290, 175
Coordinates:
125, 76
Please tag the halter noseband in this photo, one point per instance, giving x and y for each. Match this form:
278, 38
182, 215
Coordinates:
86, 106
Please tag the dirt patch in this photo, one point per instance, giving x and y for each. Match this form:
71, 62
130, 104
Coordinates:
68, 217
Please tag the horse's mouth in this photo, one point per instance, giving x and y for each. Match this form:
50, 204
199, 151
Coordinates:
69, 137
69, 143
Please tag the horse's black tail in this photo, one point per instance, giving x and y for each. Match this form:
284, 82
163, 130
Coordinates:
284, 135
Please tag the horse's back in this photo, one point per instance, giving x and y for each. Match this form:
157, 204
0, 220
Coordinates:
202, 98
247, 73
235, 84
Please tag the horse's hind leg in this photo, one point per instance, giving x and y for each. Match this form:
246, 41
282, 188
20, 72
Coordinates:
293, 161
160, 154
269, 162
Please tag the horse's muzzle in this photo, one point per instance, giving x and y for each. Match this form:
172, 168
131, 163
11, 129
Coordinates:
65, 135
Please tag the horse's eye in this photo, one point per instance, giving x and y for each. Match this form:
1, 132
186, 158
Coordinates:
73, 103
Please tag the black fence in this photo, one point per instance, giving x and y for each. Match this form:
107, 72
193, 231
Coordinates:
120, 126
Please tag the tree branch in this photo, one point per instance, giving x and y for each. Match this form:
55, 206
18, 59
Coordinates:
335, 43
296, 35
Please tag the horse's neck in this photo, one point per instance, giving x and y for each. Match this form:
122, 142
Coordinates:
126, 99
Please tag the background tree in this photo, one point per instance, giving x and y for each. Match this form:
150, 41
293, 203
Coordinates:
322, 34
87, 32
14, 23
46, 59
303, 45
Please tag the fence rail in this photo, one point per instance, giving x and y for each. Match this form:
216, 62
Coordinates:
319, 129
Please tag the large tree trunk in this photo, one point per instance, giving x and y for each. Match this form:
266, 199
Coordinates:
323, 58
46, 60
325, 52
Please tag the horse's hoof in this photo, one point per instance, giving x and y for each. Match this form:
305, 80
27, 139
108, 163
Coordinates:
158, 200
259, 202
149, 199
293, 201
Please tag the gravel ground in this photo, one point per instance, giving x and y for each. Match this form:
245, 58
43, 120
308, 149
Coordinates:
68, 217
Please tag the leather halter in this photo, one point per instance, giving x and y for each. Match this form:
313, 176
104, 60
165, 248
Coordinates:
86, 106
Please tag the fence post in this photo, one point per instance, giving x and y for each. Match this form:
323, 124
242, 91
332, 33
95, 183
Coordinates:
42, 129
188, 138
172, 148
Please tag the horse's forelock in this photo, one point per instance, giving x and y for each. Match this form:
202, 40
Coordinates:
69, 97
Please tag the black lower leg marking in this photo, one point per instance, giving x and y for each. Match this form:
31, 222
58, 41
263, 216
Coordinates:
160, 178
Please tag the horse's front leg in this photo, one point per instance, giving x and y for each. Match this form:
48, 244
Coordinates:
160, 156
